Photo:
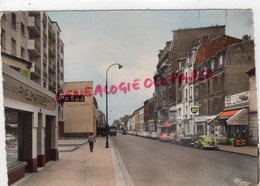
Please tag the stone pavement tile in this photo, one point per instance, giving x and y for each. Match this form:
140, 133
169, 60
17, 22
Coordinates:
79, 167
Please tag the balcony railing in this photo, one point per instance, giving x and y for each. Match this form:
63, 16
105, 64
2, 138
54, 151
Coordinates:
33, 48
51, 34
52, 51
45, 37
45, 57
33, 26
44, 18
45, 75
35, 71
51, 67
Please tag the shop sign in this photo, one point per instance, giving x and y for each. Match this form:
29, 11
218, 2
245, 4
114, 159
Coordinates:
200, 118
241, 118
194, 110
19, 91
240, 99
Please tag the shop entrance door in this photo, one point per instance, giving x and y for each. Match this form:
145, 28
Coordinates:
48, 135
50, 151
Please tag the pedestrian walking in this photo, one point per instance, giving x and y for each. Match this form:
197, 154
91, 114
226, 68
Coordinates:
91, 140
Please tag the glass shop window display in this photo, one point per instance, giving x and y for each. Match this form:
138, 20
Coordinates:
11, 136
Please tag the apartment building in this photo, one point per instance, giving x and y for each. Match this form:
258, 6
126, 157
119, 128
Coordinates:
149, 116
161, 78
181, 45
168, 94
214, 94
210, 59
32, 55
131, 123
138, 119
101, 119
185, 90
253, 114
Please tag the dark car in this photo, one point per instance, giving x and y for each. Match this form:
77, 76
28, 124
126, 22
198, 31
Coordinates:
123, 132
112, 131
189, 140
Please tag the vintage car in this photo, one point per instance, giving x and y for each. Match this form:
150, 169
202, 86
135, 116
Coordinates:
176, 138
123, 132
205, 142
153, 135
189, 140
165, 137
112, 130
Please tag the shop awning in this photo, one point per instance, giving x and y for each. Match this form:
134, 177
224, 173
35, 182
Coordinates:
167, 124
227, 114
214, 121
232, 117
239, 118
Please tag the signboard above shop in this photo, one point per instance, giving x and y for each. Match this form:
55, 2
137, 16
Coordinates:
237, 100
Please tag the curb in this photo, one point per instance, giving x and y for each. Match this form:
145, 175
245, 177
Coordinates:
121, 174
240, 153
69, 150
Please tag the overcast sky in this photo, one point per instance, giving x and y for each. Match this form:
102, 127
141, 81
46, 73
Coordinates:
96, 39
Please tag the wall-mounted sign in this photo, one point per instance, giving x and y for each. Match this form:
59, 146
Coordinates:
236, 100
200, 118
194, 110
19, 91
72, 98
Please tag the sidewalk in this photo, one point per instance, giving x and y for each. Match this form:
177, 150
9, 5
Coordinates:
81, 167
246, 150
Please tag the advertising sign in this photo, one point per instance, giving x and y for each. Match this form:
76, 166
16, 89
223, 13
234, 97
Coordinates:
194, 110
240, 99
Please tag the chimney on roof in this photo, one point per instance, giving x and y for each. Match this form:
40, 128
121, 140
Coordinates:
246, 38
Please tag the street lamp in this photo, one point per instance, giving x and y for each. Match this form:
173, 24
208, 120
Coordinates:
107, 126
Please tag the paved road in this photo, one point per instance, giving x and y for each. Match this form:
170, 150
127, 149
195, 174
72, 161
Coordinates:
150, 162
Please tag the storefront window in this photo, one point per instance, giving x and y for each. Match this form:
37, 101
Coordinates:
11, 136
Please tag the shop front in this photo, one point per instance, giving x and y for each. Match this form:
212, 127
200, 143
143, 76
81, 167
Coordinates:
30, 124
200, 125
231, 124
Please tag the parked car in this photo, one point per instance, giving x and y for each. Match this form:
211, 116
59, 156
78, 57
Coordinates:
177, 138
123, 132
205, 142
112, 130
189, 140
165, 137
146, 134
153, 135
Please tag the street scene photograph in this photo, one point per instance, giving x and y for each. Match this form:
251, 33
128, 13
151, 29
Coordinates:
130, 98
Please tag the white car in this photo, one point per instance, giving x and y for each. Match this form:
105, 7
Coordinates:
153, 135
146, 134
